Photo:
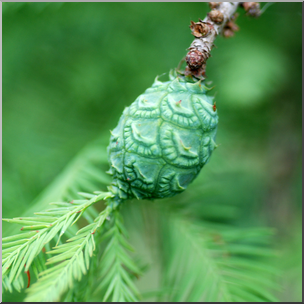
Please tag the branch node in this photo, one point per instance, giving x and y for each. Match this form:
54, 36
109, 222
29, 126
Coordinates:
195, 59
200, 29
216, 16
252, 8
230, 28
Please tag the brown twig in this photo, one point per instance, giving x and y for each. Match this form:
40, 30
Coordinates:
219, 20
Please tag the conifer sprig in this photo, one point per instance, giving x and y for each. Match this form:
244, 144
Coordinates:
117, 268
70, 261
217, 263
20, 250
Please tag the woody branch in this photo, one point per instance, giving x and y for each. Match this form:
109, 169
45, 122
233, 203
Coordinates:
218, 19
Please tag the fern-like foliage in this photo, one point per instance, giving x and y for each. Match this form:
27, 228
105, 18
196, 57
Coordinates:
216, 263
20, 250
111, 263
61, 267
70, 261
117, 268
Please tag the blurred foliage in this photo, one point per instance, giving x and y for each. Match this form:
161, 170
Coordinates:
69, 69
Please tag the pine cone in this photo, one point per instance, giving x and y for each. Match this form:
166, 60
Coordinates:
162, 140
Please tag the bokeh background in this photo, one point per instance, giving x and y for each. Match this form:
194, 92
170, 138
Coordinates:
69, 69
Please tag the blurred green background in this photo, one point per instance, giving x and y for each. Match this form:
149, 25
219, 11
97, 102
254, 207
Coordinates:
69, 69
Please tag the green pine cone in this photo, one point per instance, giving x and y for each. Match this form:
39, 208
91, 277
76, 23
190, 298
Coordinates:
162, 140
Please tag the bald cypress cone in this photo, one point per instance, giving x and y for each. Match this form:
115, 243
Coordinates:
162, 140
